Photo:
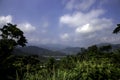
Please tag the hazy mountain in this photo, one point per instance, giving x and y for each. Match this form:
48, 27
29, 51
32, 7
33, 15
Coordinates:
114, 46
61, 48
55, 50
53, 47
70, 50
103, 44
34, 50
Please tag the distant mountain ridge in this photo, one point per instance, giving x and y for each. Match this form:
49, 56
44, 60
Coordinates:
71, 50
53, 47
114, 46
51, 50
34, 50
62, 48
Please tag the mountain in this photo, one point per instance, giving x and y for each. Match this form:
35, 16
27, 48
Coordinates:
34, 50
55, 50
114, 46
61, 48
103, 44
53, 47
71, 50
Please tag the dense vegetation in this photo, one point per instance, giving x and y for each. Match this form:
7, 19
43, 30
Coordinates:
93, 63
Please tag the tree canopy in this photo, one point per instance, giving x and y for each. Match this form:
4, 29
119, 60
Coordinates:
10, 37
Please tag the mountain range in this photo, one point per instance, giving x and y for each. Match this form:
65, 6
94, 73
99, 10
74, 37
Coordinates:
34, 50
114, 46
55, 50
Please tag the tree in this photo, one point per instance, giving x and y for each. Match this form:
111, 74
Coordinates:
117, 29
93, 49
11, 37
106, 48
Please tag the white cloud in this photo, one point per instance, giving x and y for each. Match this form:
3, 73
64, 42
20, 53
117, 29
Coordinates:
86, 22
79, 4
84, 29
79, 18
64, 37
27, 27
5, 19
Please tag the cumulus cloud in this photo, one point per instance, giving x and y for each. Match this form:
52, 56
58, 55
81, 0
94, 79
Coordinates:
5, 19
79, 4
86, 22
80, 18
84, 29
27, 27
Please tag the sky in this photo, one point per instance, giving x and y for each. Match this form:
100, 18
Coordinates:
67, 22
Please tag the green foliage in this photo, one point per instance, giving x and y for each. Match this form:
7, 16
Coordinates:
10, 37
92, 64
93, 69
96, 70
93, 49
106, 48
117, 29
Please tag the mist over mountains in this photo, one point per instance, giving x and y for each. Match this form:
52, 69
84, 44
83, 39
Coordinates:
34, 50
55, 50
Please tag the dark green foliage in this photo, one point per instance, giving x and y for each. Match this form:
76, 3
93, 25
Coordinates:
10, 37
67, 63
25, 64
93, 49
117, 29
106, 48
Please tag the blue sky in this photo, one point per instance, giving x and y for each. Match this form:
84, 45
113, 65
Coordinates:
67, 22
